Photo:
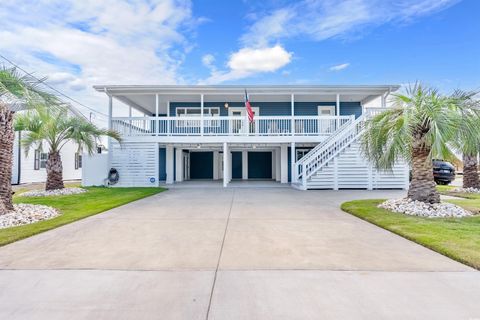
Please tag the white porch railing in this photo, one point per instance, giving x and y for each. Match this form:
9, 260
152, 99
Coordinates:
228, 126
319, 156
327, 150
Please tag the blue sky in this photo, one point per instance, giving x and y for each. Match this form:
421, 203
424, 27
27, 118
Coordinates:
81, 43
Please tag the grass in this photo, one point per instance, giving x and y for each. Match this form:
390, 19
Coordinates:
73, 208
470, 201
457, 238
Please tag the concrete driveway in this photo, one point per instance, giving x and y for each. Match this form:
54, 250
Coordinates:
237, 253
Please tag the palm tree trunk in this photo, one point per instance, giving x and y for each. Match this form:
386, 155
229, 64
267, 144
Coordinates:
422, 187
7, 137
470, 172
54, 171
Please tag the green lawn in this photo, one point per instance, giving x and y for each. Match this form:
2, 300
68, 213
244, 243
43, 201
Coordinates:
458, 239
74, 207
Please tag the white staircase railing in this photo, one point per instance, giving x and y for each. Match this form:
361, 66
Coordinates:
319, 156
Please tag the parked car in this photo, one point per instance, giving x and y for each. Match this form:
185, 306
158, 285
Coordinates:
443, 172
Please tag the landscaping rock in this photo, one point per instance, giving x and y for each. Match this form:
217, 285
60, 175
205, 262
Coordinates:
466, 190
422, 209
57, 192
27, 213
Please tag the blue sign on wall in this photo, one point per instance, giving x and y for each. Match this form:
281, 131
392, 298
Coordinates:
152, 180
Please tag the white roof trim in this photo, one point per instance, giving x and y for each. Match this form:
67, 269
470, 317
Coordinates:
254, 89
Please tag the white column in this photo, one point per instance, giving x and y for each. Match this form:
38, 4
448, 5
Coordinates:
370, 177
225, 164
229, 153
109, 140
110, 111
244, 165
337, 111
168, 117
130, 120
157, 161
277, 165
179, 165
292, 107
337, 105
335, 173
284, 163
215, 165
292, 163
169, 163
201, 114
157, 122
384, 100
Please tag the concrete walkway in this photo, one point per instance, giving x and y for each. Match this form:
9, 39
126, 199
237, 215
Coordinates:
236, 253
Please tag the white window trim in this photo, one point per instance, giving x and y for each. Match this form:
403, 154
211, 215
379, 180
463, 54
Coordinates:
330, 108
195, 123
256, 111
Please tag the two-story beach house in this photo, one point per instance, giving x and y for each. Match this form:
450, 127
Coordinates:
305, 135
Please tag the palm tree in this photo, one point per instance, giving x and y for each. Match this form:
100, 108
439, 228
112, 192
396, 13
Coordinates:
421, 126
55, 127
470, 171
17, 92
466, 143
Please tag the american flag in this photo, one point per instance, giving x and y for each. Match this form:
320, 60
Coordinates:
248, 107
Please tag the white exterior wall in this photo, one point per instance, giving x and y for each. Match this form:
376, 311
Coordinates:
28, 174
95, 169
350, 170
16, 156
136, 163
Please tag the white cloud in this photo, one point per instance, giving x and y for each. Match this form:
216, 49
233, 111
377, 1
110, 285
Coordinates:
315, 20
339, 67
320, 20
82, 43
249, 61
259, 60
208, 61
269, 27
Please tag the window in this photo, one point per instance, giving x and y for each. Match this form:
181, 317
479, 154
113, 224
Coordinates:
40, 160
326, 110
301, 153
196, 112
43, 160
192, 112
78, 161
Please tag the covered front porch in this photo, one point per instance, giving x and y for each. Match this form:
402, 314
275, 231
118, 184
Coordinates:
229, 163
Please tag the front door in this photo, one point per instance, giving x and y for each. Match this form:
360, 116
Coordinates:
237, 125
326, 125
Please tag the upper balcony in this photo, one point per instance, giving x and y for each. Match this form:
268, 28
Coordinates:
229, 126
183, 114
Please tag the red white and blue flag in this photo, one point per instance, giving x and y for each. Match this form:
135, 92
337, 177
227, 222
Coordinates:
248, 107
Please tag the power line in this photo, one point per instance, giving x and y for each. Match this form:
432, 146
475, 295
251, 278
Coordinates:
52, 88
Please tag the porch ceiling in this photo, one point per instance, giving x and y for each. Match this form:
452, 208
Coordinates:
143, 97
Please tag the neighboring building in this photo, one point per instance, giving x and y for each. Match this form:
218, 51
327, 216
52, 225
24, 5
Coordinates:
31, 168
303, 135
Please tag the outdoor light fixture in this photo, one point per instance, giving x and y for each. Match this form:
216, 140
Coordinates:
198, 146
226, 105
